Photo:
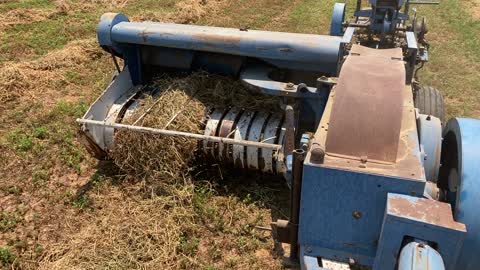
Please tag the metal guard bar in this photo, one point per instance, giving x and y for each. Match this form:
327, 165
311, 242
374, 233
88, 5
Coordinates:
180, 134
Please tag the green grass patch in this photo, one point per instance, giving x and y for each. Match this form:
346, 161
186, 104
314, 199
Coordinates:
454, 57
40, 132
40, 177
43, 36
7, 258
10, 5
20, 141
8, 221
188, 245
311, 16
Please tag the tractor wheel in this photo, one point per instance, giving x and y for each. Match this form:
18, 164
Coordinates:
429, 101
459, 178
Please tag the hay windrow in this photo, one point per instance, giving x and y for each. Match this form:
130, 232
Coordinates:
35, 77
182, 104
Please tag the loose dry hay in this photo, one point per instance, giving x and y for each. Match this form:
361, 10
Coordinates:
190, 11
31, 15
136, 228
186, 12
23, 16
182, 104
37, 76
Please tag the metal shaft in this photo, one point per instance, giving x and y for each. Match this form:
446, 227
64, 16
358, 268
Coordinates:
290, 133
298, 157
180, 134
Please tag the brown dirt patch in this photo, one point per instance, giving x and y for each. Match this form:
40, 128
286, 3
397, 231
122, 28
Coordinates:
473, 7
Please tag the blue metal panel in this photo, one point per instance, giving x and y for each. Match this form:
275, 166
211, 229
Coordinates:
133, 60
338, 16
341, 211
317, 50
107, 21
430, 136
308, 262
418, 218
420, 256
467, 132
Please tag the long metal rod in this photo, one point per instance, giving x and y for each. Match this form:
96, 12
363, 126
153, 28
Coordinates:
180, 134
424, 3
295, 195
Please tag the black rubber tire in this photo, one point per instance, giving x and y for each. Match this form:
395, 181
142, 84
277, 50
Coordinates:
429, 101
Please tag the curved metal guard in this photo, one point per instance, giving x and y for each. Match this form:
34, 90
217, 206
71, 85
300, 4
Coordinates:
367, 110
338, 16
462, 142
419, 256
430, 136
257, 79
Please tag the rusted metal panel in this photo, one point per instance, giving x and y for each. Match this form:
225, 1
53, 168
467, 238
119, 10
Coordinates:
408, 217
90, 144
425, 210
408, 164
366, 117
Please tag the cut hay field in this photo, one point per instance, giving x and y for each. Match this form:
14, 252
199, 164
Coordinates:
62, 209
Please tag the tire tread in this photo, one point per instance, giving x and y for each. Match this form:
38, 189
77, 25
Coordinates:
429, 100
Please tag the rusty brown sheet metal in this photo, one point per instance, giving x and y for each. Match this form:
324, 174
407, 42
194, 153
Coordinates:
427, 210
367, 111
90, 144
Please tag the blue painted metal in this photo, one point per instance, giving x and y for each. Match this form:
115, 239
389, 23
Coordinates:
338, 17
107, 21
407, 217
329, 226
257, 78
466, 133
313, 52
308, 262
398, 3
430, 136
420, 256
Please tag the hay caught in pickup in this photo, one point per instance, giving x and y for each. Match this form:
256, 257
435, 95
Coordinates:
181, 104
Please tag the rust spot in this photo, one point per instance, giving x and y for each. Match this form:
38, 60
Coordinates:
144, 35
225, 130
286, 50
429, 211
211, 39
367, 114
90, 145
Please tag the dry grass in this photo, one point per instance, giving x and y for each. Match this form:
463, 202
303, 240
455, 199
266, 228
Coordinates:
24, 16
190, 11
31, 78
169, 215
167, 227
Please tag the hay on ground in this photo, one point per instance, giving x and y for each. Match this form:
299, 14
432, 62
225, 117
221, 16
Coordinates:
31, 78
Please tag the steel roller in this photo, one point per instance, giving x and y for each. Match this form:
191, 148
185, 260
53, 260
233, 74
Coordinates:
255, 126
